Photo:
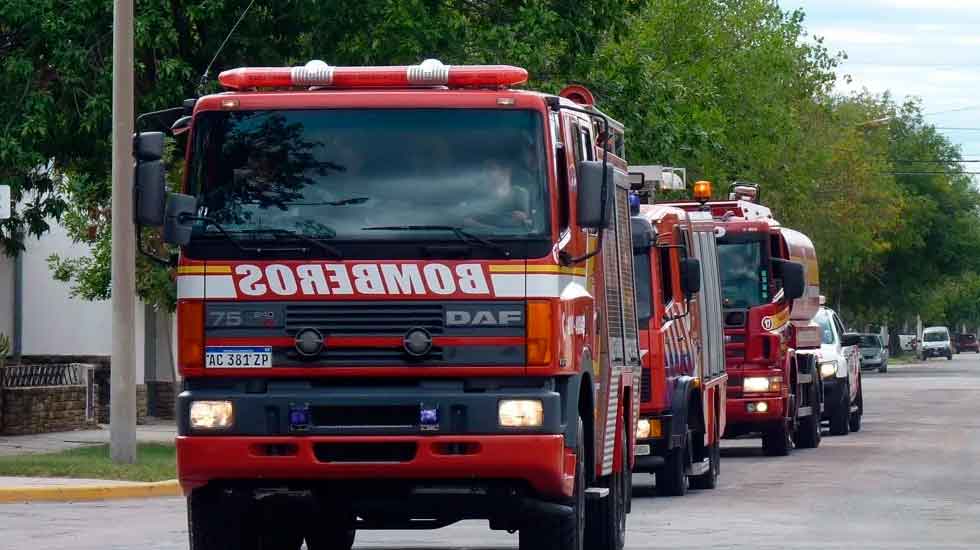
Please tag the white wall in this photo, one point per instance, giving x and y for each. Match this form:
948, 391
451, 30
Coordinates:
54, 322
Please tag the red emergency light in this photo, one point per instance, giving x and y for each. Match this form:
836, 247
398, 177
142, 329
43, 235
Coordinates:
430, 72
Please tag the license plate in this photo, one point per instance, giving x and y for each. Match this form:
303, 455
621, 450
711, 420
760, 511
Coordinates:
238, 357
642, 450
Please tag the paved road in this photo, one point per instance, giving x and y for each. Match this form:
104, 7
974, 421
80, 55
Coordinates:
908, 480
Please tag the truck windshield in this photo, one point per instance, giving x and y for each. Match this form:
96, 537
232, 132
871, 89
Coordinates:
745, 280
347, 174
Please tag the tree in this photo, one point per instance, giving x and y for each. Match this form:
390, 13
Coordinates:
55, 145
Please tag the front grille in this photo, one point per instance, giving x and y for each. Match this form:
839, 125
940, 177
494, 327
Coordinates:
645, 390
361, 417
370, 318
358, 356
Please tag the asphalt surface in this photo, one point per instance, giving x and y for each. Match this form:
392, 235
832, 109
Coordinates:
908, 480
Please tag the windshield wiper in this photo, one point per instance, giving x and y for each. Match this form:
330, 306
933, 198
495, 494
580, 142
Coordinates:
261, 250
308, 239
460, 233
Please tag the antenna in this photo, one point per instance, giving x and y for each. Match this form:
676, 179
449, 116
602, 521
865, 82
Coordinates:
204, 77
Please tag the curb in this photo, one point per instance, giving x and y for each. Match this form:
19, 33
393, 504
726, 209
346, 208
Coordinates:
73, 493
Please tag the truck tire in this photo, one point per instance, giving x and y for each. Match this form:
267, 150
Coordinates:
605, 523
561, 533
808, 431
840, 420
855, 422
776, 441
709, 479
672, 476
214, 521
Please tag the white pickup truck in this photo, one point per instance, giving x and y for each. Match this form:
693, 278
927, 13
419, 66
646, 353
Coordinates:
840, 369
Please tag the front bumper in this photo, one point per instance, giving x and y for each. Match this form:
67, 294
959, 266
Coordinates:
362, 431
869, 362
542, 461
651, 452
738, 414
935, 352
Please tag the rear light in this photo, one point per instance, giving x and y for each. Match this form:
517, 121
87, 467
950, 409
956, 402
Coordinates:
540, 332
430, 72
190, 335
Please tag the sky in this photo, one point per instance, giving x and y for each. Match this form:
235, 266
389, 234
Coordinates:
928, 49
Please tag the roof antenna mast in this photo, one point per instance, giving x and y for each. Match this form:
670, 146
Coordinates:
204, 77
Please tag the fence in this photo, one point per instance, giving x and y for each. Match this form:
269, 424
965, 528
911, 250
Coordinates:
38, 398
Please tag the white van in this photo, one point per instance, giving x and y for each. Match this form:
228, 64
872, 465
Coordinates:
935, 343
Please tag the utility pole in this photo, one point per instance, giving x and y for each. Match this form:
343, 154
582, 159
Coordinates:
122, 384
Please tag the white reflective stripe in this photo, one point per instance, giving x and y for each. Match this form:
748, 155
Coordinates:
190, 286
220, 286
508, 285
210, 286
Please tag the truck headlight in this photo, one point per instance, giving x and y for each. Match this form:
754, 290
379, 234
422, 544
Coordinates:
643, 429
521, 413
211, 415
828, 369
755, 384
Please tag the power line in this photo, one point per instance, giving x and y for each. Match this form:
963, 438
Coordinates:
936, 161
947, 128
931, 173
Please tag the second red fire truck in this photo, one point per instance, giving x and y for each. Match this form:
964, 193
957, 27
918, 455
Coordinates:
682, 411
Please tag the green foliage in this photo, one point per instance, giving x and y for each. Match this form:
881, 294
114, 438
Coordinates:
55, 61
729, 89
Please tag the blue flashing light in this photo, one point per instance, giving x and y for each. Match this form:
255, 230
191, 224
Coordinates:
299, 417
429, 416
634, 203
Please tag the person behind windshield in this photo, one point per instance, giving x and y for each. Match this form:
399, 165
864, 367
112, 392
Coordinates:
505, 205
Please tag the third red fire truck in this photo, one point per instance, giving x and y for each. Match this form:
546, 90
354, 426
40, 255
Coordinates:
771, 292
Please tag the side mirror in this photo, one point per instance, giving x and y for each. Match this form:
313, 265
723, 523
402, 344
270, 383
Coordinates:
850, 340
690, 276
793, 277
590, 190
149, 193
149, 180
175, 230
148, 146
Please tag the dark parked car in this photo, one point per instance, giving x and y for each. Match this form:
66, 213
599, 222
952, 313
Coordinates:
967, 342
874, 354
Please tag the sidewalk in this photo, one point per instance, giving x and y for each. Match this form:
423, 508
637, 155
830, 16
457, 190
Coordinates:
63, 441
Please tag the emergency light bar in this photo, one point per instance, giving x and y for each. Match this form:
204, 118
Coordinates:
430, 72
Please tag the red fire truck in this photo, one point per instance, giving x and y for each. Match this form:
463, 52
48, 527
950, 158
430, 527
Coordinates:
771, 292
682, 403
405, 299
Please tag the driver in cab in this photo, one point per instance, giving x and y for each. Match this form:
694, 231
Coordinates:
506, 205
